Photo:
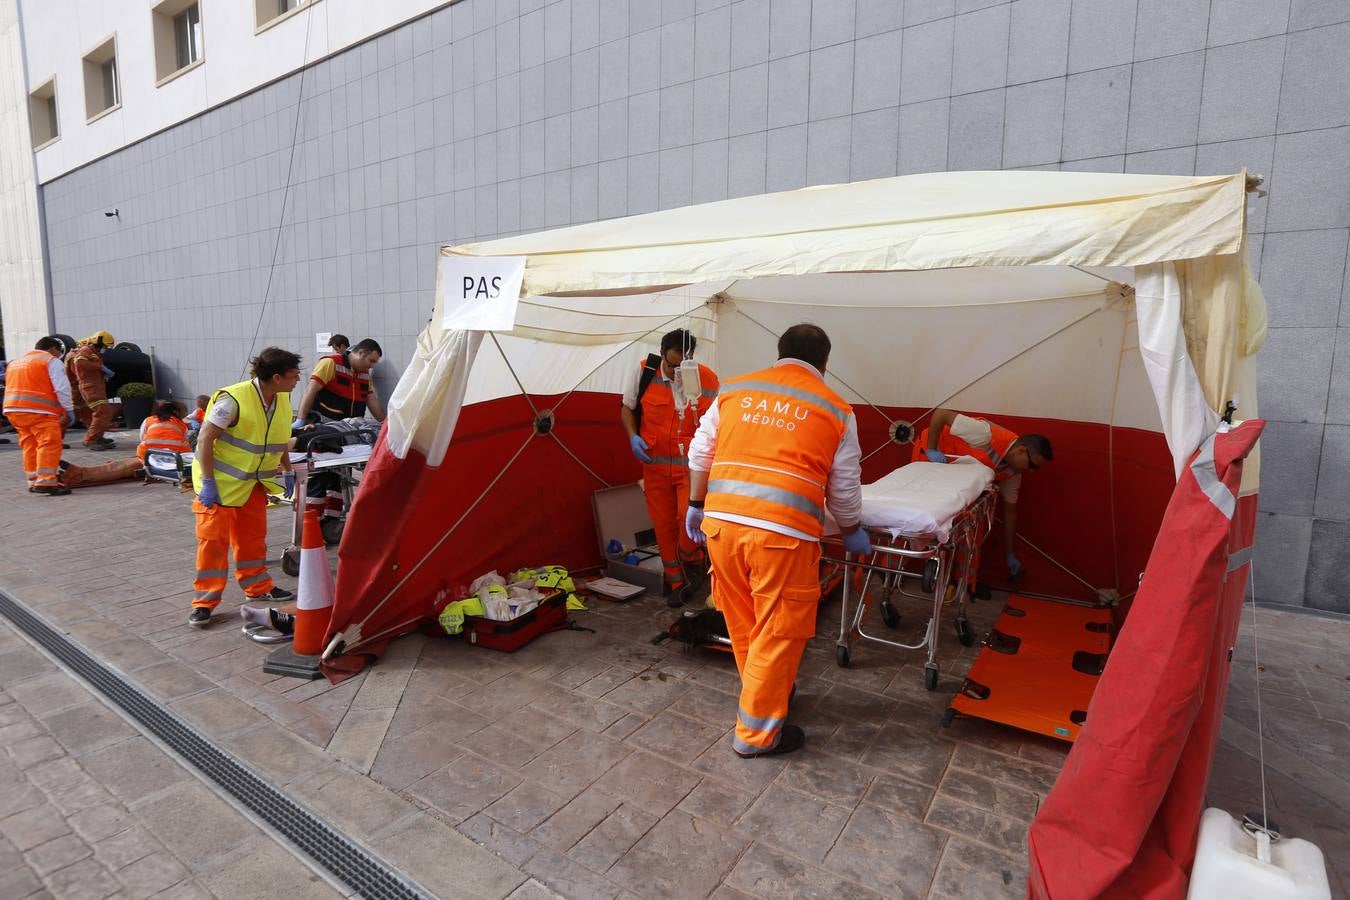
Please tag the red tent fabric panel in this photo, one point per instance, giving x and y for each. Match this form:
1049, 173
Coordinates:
1122, 819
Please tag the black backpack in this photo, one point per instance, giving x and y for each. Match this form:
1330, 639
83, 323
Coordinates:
649, 369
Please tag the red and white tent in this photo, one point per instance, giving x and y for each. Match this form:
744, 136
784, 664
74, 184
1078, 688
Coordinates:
1113, 313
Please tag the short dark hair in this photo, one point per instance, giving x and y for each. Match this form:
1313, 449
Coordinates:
1037, 444
49, 344
339, 341
202, 400
367, 345
806, 342
168, 409
679, 339
274, 361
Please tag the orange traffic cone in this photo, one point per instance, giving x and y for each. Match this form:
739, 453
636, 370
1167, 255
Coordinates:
314, 596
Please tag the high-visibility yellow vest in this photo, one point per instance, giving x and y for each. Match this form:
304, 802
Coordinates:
248, 452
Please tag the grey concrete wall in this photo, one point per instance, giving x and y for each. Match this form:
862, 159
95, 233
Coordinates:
491, 118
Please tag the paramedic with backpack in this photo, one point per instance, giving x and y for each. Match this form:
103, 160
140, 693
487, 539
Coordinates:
772, 453
660, 428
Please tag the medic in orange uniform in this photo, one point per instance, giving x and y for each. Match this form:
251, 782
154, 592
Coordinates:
953, 434
38, 404
774, 450
659, 432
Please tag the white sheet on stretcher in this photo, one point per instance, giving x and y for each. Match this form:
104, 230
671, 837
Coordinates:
350, 455
923, 497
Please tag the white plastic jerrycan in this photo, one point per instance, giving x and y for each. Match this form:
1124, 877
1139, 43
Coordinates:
1233, 864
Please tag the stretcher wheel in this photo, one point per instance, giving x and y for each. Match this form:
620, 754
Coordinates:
290, 561
930, 576
930, 676
332, 529
889, 614
841, 656
964, 633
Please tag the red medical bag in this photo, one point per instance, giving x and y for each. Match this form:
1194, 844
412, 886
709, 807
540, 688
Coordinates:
510, 636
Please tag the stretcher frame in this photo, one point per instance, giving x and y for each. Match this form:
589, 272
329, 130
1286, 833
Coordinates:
938, 561
348, 469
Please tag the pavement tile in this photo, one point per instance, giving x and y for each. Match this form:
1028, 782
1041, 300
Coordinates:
675, 736
20, 882
708, 705
612, 838
33, 827
48, 694
267, 872
134, 769
99, 822
125, 847
649, 782
1007, 835
89, 726
83, 796
353, 802
34, 751
57, 854
568, 878
973, 870
84, 880
403, 760
577, 761
624, 728
992, 796
603, 682
440, 858
359, 735
717, 802
505, 746
851, 739
910, 753
20, 663
464, 787
881, 847
829, 777
900, 795
583, 712
576, 819
57, 775
764, 872
186, 811
151, 874
281, 755
681, 857
526, 806
169, 680
648, 692
217, 712
1018, 772
502, 840
790, 820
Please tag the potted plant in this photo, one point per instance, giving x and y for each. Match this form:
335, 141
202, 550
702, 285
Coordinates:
137, 397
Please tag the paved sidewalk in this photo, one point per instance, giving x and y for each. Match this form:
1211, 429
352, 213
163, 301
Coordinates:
598, 763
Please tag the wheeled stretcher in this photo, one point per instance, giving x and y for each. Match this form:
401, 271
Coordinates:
348, 466
926, 522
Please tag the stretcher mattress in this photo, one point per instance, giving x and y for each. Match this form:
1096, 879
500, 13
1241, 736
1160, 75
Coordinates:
923, 497
351, 455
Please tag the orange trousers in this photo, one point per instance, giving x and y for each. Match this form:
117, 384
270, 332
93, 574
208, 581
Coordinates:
666, 486
222, 528
766, 586
40, 441
97, 416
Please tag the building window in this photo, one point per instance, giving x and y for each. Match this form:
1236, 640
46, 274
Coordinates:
269, 12
178, 37
42, 115
102, 91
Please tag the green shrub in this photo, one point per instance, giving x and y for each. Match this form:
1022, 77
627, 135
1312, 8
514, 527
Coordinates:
136, 389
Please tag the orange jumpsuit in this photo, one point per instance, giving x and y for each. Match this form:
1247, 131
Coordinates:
33, 408
90, 389
777, 434
666, 478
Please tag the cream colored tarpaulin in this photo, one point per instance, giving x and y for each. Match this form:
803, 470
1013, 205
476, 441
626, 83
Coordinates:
901, 269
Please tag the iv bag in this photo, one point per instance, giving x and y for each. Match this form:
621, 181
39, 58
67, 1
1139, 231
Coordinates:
690, 387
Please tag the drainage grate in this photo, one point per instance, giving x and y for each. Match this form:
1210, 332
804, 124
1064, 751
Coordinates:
366, 874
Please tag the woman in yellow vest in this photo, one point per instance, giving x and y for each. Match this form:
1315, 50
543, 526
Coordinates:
240, 451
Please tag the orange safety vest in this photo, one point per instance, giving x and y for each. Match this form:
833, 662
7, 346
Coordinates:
345, 396
28, 386
1001, 440
777, 435
164, 435
667, 433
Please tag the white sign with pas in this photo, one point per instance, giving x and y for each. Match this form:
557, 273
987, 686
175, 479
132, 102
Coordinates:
480, 293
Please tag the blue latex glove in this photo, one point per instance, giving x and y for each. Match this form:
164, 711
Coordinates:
107, 372
70, 418
297, 424
1014, 567
693, 525
288, 478
639, 448
858, 542
209, 496
936, 456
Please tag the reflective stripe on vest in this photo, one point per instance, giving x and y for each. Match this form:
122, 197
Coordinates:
1001, 439
666, 432
778, 432
166, 435
28, 385
250, 450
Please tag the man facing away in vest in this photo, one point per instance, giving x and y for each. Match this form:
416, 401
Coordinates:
774, 450
38, 404
659, 430
951, 434
240, 451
